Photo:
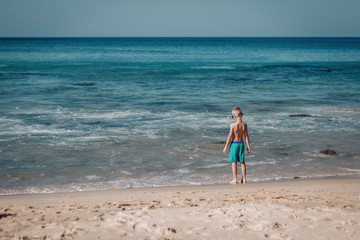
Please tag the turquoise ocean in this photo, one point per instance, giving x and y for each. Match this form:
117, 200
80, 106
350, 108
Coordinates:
80, 114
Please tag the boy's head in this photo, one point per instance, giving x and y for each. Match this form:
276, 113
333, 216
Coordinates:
237, 112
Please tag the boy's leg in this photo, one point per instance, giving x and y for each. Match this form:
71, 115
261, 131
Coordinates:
243, 170
234, 170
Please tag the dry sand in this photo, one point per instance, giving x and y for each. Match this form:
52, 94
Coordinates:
316, 209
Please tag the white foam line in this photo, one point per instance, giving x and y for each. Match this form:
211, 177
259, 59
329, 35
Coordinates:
261, 163
353, 170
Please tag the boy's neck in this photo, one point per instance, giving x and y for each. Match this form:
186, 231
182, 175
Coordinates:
238, 119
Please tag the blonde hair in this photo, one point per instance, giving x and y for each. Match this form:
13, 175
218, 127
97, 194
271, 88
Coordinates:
237, 111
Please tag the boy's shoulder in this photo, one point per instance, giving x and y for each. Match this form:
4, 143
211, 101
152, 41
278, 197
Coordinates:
236, 124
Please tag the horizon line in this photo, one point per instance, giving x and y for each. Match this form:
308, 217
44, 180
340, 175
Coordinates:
179, 37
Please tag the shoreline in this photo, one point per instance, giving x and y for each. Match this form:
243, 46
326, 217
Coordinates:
297, 209
292, 179
250, 184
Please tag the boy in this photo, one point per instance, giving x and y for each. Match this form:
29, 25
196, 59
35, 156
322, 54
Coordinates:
236, 151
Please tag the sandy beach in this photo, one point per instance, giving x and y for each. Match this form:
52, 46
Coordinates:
312, 209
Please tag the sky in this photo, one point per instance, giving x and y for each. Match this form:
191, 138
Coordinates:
179, 18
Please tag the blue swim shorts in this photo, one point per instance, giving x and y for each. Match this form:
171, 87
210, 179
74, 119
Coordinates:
237, 152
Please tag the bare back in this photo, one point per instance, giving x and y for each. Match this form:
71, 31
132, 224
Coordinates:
238, 130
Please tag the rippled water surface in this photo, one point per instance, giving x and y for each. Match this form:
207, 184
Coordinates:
107, 113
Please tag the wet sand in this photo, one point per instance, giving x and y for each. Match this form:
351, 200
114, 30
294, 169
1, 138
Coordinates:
311, 209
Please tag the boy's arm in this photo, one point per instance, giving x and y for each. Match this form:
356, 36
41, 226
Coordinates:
247, 139
231, 133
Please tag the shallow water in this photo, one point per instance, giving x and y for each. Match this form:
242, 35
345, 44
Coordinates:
106, 113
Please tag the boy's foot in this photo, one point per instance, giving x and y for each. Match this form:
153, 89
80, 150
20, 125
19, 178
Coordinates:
233, 182
242, 181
